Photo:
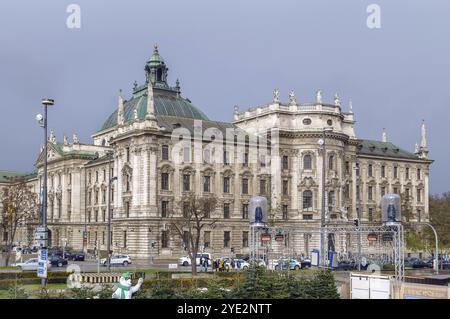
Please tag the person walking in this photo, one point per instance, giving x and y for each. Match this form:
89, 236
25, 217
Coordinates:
205, 264
238, 265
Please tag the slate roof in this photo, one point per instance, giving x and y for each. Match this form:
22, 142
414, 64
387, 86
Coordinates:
166, 102
383, 149
6, 175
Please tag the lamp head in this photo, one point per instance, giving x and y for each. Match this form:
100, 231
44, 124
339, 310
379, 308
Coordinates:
39, 117
48, 102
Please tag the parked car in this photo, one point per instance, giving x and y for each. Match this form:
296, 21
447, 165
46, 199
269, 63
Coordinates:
58, 261
31, 264
75, 256
186, 260
124, 260
244, 264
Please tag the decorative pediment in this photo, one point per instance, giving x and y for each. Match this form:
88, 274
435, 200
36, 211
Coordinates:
52, 154
308, 182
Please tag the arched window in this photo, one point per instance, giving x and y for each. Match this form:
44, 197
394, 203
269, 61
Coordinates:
307, 200
307, 162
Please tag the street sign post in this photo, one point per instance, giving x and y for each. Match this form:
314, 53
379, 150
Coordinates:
42, 263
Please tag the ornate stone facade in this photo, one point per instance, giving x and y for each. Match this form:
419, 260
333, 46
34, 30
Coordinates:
153, 171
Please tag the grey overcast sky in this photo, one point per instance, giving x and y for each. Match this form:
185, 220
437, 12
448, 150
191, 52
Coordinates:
227, 53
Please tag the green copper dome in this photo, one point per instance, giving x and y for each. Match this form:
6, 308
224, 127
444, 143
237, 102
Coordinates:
165, 102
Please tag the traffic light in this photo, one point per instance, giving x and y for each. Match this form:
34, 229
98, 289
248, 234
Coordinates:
356, 222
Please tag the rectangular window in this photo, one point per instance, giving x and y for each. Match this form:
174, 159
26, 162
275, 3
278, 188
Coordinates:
226, 211
285, 212
262, 161
165, 153
383, 171
262, 186
226, 239
419, 215
347, 167
96, 176
245, 239
395, 190
419, 195
307, 216
164, 209
407, 192
370, 214
370, 193
207, 239
370, 170
285, 187
186, 211
207, 156
187, 154
245, 160
357, 169
165, 239
127, 209
357, 193
285, 162
165, 181
383, 191
244, 211
103, 238
419, 175
96, 215
124, 239
206, 184
186, 183
185, 239
104, 215
244, 186
226, 158
128, 154
407, 173
395, 171
226, 184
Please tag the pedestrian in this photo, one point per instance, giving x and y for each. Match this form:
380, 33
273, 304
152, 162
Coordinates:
205, 264
238, 265
232, 264
215, 265
220, 264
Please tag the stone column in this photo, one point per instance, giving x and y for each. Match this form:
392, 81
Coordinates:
153, 181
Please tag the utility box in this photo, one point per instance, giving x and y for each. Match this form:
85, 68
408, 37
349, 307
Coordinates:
370, 286
315, 258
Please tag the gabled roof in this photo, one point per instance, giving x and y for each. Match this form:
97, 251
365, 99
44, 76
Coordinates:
383, 149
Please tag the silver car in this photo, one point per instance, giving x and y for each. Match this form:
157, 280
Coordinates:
31, 264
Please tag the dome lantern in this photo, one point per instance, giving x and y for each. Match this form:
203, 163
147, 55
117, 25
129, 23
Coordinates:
156, 69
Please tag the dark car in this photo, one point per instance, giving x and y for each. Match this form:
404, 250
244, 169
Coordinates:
75, 256
418, 263
57, 261
346, 265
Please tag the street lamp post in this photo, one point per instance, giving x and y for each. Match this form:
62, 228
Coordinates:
322, 215
436, 248
46, 103
111, 180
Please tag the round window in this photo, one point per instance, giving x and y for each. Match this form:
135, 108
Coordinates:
330, 122
306, 121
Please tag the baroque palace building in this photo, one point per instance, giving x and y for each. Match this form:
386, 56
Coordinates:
159, 146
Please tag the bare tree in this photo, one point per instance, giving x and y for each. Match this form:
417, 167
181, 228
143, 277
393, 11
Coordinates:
20, 208
193, 216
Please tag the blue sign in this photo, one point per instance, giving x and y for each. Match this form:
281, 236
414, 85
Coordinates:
42, 263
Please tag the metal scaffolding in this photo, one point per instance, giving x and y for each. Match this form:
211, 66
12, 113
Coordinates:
390, 236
